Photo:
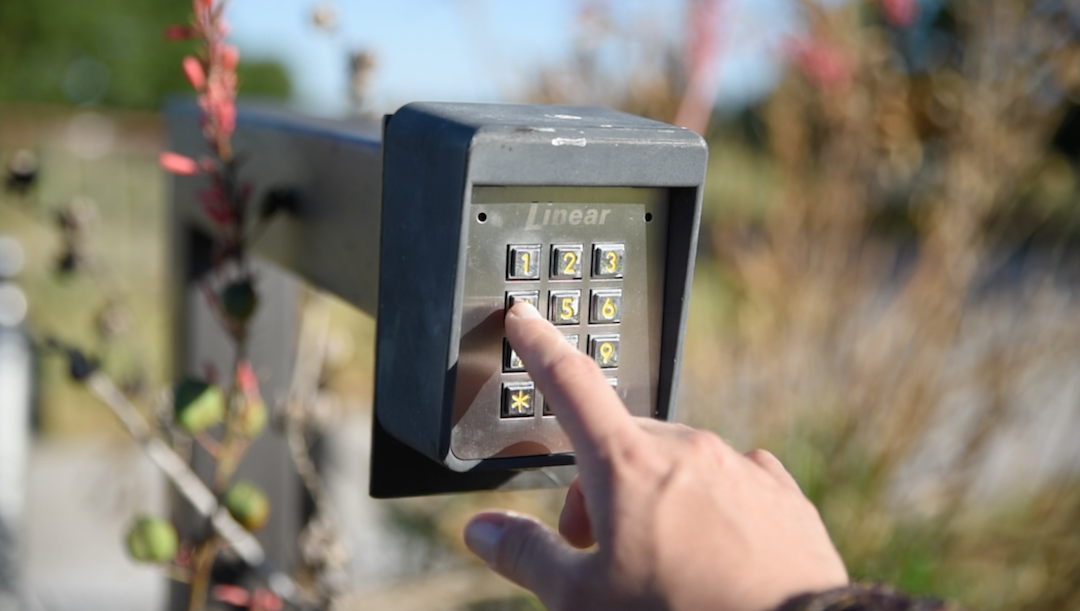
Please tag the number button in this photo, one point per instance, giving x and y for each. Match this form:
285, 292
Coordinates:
523, 262
530, 297
518, 399
572, 340
605, 350
606, 306
566, 262
565, 307
608, 260
511, 360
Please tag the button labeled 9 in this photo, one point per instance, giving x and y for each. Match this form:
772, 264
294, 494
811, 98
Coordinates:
605, 350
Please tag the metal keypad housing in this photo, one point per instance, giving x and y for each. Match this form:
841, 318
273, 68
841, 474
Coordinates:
599, 278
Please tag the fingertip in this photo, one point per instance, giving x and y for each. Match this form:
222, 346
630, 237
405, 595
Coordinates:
482, 535
523, 310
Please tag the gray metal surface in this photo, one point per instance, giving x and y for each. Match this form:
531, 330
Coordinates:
510, 216
16, 376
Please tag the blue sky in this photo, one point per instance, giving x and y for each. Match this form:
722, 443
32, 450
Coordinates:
477, 50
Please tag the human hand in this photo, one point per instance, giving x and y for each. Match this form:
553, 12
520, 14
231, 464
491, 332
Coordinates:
680, 520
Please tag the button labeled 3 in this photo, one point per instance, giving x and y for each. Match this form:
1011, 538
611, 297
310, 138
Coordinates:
565, 307
608, 260
566, 261
605, 350
523, 262
606, 306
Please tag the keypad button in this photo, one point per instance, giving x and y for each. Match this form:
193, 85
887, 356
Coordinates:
566, 262
565, 307
614, 382
511, 360
530, 297
605, 306
605, 350
573, 340
518, 399
608, 260
523, 262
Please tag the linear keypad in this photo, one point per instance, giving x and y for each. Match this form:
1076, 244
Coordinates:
586, 311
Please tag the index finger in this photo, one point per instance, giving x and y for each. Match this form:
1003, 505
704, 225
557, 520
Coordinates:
590, 412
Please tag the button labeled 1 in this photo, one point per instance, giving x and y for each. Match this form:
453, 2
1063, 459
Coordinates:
565, 307
523, 262
608, 260
605, 350
606, 306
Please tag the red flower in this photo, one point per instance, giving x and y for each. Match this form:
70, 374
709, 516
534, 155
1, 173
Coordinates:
216, 206
900, 13
194, 71
825, 65
178, 32
178, 164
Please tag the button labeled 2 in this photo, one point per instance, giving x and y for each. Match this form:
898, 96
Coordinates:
608, 260
606, 306
565, 307
566, 261
605, 350
523, 262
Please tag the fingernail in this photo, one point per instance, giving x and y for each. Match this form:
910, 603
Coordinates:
524, 309
482, 537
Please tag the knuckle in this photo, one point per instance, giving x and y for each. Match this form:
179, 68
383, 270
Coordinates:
705, 442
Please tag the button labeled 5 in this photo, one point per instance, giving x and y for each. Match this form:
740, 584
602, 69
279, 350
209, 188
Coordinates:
523, 262
606, 306
565, 307
566, 261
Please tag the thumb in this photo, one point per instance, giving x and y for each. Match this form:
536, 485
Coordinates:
524, 551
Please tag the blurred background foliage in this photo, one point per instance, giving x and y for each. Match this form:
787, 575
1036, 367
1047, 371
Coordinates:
104, 52
886, 284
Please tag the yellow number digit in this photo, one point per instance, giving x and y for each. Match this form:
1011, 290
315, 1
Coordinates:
612, 261
525, 259
571, 263
567, 311
606, 352
608, 309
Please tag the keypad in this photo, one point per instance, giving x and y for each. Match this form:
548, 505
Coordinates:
577, 292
